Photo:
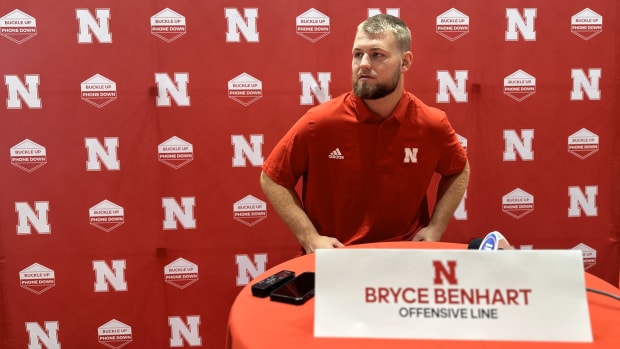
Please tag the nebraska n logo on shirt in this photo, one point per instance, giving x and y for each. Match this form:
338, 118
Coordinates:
411, 155
336, 154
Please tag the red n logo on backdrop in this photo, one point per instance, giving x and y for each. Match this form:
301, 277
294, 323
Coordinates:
243, 150
47, 337
247, 268
16, 88
589, 84
393, 11
177, 89
309, 87
236, 24
97, 153
456, 86
586, 201
173, 213
104, 275
523, 24
88, 26
190, 332
516, 144
27, 218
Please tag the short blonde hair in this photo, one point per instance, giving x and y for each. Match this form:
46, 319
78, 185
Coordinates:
387, 23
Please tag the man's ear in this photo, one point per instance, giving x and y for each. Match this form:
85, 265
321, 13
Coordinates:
406, 61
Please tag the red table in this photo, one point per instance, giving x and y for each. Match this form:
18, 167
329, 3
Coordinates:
258, 323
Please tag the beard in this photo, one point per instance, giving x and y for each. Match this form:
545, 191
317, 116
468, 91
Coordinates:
365, 90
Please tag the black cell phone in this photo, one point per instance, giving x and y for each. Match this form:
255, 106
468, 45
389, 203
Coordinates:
297, 291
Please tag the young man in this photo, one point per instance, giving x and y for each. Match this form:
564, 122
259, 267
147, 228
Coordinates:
367, 157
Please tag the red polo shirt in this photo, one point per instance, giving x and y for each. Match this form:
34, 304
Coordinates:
365, 178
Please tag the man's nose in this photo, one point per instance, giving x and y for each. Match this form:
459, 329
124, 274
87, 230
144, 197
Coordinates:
365, 61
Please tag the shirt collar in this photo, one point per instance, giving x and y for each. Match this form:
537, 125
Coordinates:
366, 115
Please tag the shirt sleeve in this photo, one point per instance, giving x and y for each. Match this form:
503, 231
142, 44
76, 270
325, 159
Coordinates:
453, 156
288, 160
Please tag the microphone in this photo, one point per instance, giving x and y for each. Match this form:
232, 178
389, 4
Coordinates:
474, 244
493, 241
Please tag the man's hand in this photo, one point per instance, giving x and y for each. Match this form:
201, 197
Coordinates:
321, 241
427, 234
450, 191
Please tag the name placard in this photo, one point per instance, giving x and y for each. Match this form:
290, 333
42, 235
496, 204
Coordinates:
516, 295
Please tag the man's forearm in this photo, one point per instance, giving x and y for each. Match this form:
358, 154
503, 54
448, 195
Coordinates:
450, 192
287, 204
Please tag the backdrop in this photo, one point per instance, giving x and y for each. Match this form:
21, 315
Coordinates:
132, 135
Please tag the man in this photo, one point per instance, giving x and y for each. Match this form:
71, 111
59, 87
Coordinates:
366, 158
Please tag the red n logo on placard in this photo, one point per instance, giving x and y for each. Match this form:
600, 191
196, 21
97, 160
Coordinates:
443, 273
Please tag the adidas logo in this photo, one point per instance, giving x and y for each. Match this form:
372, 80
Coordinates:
336, 154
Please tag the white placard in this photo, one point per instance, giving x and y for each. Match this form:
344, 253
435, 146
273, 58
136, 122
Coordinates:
535, 295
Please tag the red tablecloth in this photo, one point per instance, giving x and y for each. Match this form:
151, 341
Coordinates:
258, 323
